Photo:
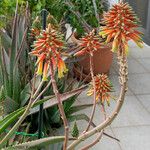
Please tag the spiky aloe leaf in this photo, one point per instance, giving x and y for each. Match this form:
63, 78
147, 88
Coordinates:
64, 97
26, 92
10, 105
69, 103
16, 85
4, 70
5, 39
14, 47
8, 117
2, 94
12, 117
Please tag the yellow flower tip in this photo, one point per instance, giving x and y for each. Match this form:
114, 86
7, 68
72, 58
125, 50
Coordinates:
106, 42
114, 49
40, 68
60, 76
103, 36
115, 45
139, 44
65, 70
44, 78
90, 92
61, 73
61, 68
108, 102
45, 71
97, 98
39, 73
126, 49
101, 33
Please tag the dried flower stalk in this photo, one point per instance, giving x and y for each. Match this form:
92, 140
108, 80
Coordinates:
60, 106
123, 82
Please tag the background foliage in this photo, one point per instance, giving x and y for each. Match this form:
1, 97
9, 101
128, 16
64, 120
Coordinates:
58, 9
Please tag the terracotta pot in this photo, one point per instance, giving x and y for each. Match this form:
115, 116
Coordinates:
102, 60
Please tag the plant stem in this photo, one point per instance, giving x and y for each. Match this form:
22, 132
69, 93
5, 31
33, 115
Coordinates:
38, 89
94, 89
123, 82
42, 92
100, 134
93, 143
60, 106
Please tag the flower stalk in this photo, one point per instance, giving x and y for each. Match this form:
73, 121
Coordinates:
60, 106
123, 81
94, 93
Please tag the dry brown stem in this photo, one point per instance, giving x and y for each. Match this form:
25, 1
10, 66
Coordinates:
123, 72
94, 95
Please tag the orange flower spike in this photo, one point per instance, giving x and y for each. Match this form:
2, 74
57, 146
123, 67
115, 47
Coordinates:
120, 27
103, 89
47, 48
89, 43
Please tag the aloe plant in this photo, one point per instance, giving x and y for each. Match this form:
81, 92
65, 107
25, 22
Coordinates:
20, 85
16, 78
14, 63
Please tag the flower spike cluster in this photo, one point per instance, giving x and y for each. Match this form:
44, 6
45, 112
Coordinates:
103, 88
121, 26
89, 43
47, 48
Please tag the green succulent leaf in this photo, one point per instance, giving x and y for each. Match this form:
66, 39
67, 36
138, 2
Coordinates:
5, 39
75, 130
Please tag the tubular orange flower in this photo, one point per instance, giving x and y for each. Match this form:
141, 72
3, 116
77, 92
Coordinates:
61, 68
45, 71
89, 43
120, 27
40, 68
47, 49
103, 88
